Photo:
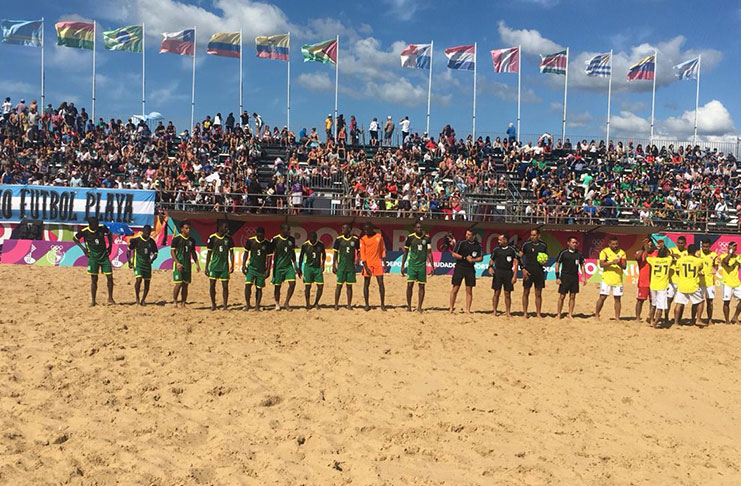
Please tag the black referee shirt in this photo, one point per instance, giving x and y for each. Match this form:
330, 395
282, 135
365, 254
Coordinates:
467, 248
530, 252
503, 257
569, 262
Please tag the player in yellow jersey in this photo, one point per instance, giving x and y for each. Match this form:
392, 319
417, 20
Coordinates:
613, 262
659, 284
709, 268
729, 266
689, 275
677, 252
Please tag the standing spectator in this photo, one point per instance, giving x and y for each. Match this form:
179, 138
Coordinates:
353, 130
245, 119
404, 125
388, 131
511, 133
21, 107
328, 127
8, 107
258, 122
230, 122
373, 130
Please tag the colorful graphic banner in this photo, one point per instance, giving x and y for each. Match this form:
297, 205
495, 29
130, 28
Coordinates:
73, 205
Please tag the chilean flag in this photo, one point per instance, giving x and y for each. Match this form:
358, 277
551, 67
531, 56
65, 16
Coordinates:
461, 57
182, 43
506, 60
416, 56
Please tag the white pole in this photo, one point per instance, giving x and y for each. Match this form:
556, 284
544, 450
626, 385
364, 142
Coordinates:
240, 74
475, 49
653, 95
519, 79
609, 94
193, 87
429, 88
336, 81
43, 92
288, 85
93, 107
144, 70
697, 97
565, 95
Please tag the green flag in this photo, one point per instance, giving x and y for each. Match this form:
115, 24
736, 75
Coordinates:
124, 39
325, 52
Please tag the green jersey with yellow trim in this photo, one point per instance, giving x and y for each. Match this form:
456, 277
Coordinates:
145, 250
220, 247
183, 247
313, 254
259, 251
345, 249
284, 250
95, 240
417, 247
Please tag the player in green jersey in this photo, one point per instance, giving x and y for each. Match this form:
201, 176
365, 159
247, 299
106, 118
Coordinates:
284, 264
183, 251
256, 267
220, 262
346, 249
96, 250
313, 267
417, 252
143, 249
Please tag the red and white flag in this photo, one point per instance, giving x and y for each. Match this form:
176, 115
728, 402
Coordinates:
506, 60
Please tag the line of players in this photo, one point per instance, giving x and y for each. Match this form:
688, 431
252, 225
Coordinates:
682, 274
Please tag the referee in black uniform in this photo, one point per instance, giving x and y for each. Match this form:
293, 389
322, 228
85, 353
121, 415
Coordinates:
568, 264
503, 267
466, 254
533, 273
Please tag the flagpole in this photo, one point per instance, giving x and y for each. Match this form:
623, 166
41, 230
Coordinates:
288, 85
653, 95
94, 36
336, 81
519, 79
609, 95
240, 73
193, 87
144, 70
697, 97
43, 92
475, 51
429, 87
565, 96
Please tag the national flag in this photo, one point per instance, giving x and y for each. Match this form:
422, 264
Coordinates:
553, 63
325, 52
687, 69
226, 44
273, 46
21, 32
181, 43
643, 69
127, 38
416, 56
599, 66
506, 60
80, 35
461, 57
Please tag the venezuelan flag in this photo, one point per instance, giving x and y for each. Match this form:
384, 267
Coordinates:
80, 35
273, 46
643, 69
225, 44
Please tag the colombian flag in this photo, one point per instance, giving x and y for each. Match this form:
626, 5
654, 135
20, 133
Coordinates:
226, 44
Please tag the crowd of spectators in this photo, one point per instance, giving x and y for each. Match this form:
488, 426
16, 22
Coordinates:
221, 166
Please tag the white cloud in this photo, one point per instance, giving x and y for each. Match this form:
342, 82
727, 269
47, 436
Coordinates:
315, 81
507, 92
633, 106
578, 120
627, 123
404, 9
17, 88
531, 40
713, 119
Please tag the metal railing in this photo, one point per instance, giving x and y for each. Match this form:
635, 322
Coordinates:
472, 209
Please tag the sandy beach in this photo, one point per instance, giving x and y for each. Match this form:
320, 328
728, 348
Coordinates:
164, 396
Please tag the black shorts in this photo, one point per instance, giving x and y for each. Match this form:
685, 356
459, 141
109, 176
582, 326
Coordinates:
569, 284
468, 273
536, 278
503, 280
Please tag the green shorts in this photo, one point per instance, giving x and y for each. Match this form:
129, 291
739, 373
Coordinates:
313, 275
101, 264
345, 276
141, 272
281, 275
417, 274
181, 277
218, 273
253, 277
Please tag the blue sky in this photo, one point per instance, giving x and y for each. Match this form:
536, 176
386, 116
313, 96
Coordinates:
372, 83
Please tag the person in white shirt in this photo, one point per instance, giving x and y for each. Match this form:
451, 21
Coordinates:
373, 130
7, 108
404, 125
